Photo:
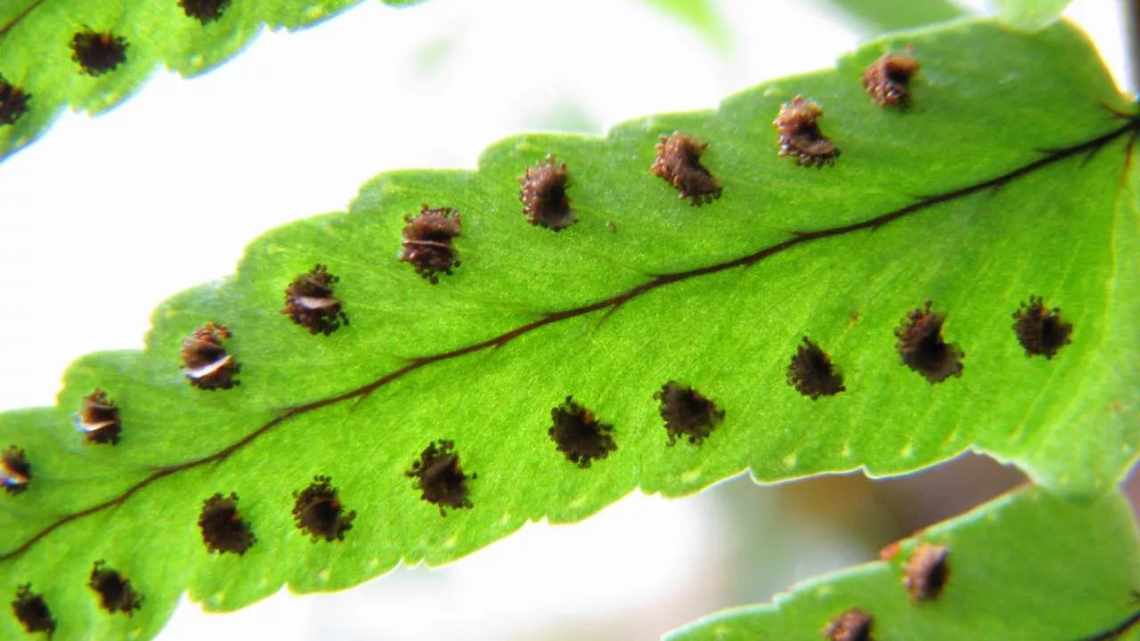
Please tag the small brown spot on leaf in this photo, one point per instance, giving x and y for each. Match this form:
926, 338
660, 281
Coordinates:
687, 413
318, 511
798, 124
114, 590
13, 102
32, 611
812, 373
15, 470
204, 11
309, 301
579, 435
207, 364
678, 162
1041, 331
544, 196
887, 80
98, 52
852, 625
98, 419
427, 242
440, 478
922, 348
223, 529
926, 571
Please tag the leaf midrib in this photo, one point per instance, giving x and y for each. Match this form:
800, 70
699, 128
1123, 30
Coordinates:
611, 304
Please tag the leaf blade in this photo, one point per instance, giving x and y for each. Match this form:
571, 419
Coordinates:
334, 405
1011, 561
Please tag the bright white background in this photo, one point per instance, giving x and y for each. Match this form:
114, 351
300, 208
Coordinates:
96, 221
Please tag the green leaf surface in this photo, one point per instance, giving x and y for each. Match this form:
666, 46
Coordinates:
998, 182
1026, 567
37, 56
1029, 15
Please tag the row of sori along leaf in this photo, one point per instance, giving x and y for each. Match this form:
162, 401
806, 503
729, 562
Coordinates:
427, 246
96, 53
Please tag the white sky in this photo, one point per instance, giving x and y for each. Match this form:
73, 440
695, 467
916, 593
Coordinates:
93, 236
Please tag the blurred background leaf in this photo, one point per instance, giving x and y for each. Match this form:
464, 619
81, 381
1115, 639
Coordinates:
873, 17
702, 16
1030, 15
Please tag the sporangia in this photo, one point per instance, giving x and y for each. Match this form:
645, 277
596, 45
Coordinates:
427, 242
579, 435
922, 348
800, 137
887, 80
207, 364
678, 163
687, 413
1040, 330
32, 611
543, 195
13, 102
15, 470
812, 373
926, 571
310, 302
317, 511
98, 52
99, 419
204, 11
223, 529
114, 590
440, 478
852, 625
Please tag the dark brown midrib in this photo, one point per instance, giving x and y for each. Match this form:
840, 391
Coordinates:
612, 304
1115, 631
19, 17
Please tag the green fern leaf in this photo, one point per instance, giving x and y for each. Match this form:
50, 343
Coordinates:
647, 343
1027, 566
92, 55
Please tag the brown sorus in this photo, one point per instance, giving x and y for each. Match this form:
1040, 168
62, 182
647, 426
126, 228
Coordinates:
223, 529
440, 478
926, 571
578, 435
887, 80
13, 102
318, 512
427, 243
99, 419
207, 364
114, 590
687, 413
98, 52
812, 373
15, 470
678, 163
543, 195
204, 11
32, 611
922, 348
1041, 331
800, 137
852, 625
310, 302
